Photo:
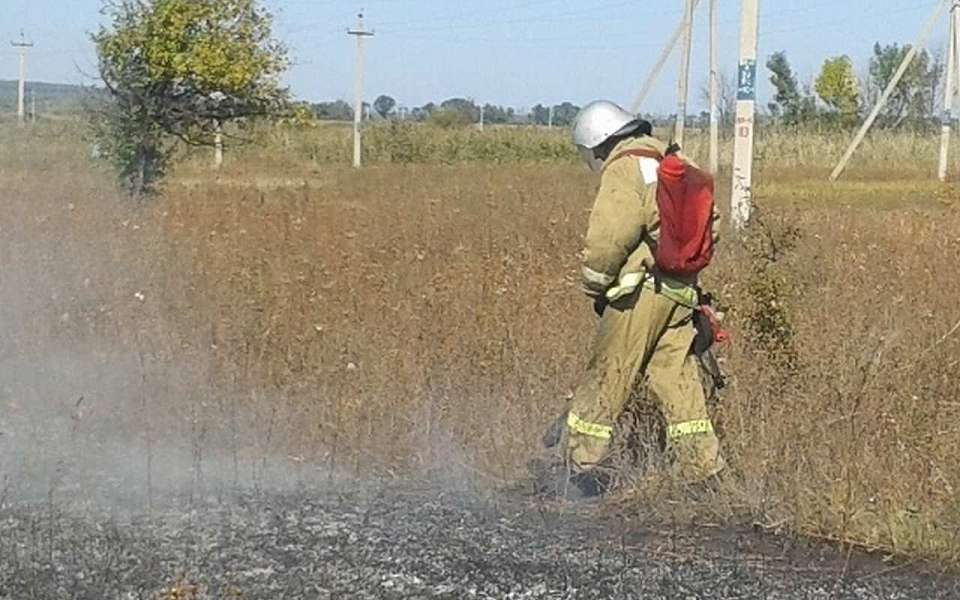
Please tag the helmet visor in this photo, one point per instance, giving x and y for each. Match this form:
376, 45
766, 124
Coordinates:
590, 157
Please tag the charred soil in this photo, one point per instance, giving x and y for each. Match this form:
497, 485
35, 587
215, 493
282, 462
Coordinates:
403, 540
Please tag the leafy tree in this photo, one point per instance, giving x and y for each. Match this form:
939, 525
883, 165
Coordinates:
384, 105
789, 104
727, 103
179, 70
338, 110
300, 114
447, 119
837, 86
564, 114
422, 113
539, 115
914, 97
467, 110
787, 91
497, 115
454, 112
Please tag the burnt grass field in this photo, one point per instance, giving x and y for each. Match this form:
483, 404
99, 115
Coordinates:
178, 378
402, 540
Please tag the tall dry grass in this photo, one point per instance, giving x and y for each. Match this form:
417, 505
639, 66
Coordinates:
426, 318
298, 149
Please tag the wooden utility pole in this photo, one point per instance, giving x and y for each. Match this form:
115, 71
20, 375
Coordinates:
897, 76
741, 199
949, 91
22, 46
360, 33
684, 82
714, 87
661, 61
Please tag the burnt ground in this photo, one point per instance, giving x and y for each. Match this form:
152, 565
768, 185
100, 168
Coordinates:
393, 540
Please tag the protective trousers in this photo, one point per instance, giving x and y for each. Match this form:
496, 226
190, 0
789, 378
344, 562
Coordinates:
650, 332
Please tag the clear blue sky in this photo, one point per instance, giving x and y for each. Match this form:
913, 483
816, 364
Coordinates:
512, 52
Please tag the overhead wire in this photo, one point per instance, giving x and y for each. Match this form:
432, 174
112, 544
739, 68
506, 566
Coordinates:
480, 26
449, 18
421, 35
421, 30
840, 22
532, 19
460, 15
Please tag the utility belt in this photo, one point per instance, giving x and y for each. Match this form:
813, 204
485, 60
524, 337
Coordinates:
706, 321
680, 292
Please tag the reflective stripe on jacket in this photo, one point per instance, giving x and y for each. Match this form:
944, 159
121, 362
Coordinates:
682, 293
623, 220
623, 228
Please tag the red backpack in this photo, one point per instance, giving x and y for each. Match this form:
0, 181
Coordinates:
685, 203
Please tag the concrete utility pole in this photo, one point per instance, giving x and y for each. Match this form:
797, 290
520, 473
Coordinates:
22, 47
481, 116
661, 61
741, 199
897, 76
360, 33
949, 90
218, 148
714, 87
684, 82
550, 117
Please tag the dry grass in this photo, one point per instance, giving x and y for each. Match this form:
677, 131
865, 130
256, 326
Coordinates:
425, 317
297, 150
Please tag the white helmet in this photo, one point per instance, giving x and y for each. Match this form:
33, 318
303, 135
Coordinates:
596, 123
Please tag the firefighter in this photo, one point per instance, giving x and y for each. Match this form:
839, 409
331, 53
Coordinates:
646, 317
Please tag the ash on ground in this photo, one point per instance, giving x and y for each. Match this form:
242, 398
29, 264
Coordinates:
400, 540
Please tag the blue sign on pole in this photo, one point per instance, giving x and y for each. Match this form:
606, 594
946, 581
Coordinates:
747, 80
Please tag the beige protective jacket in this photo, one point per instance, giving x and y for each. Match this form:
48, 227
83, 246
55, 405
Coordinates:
622, 233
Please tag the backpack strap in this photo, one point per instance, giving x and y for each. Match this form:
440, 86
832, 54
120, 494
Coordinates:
637, 153
671, 164
649, 175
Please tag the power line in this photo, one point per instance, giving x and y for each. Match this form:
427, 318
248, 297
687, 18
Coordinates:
838, 23
470, 14
779, 16
728, 35
444, 21
535, 19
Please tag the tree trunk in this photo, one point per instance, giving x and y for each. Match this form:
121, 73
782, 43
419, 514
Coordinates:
139, 184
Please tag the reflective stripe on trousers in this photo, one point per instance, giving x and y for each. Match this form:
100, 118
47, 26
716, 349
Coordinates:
596, 430
699, 426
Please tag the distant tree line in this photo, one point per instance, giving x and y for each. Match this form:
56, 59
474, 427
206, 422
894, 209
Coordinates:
450, 112
50, 97
839, 98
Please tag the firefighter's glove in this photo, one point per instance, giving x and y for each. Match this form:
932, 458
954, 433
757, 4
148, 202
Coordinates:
600, 304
